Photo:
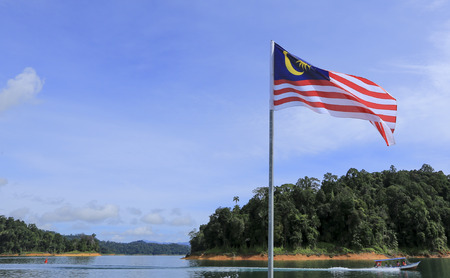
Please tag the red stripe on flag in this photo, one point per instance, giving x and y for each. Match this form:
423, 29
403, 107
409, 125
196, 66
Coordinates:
338, 108
360, 89
334, 95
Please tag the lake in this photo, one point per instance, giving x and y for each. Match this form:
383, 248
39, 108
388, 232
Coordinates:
174, 266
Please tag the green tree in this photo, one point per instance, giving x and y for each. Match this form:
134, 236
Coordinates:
386, 210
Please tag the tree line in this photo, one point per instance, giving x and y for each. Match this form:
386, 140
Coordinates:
141, 247
16, 237
386, 211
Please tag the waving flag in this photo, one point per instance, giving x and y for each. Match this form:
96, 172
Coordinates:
298, 83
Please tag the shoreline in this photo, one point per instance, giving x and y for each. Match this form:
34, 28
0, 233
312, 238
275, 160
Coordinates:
297, 257
300, 257
52, 255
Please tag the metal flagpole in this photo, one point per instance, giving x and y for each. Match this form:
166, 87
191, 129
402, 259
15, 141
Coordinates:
270, 240
270, 243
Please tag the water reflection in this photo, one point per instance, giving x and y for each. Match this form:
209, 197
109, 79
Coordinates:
297, 269
172, 266
71, 260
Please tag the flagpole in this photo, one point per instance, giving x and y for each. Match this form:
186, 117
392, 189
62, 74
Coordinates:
271, 210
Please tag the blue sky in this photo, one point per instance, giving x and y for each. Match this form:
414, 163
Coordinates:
137, 119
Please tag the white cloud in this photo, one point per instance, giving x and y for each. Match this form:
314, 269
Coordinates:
430, 5
154, 217
134, 211
176, 211
182, 221
20, 213
423, 107
438, 70
299, 130
90, 213
3, 181
97, 213
176, 218
22, 88
37, 199
139, 231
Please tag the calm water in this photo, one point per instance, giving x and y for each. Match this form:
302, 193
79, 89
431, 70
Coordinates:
174, 266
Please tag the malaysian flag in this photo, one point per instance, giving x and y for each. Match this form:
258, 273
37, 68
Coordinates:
298, 83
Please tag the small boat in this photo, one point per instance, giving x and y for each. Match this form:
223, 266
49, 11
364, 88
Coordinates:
401, 263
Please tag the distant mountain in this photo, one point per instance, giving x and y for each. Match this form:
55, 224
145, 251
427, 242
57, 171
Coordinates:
180, 243
142, 247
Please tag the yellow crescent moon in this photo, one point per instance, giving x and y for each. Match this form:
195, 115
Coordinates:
289, 65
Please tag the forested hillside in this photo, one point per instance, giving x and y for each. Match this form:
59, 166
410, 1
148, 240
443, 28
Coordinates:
141, 247
383, 211
16, 237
